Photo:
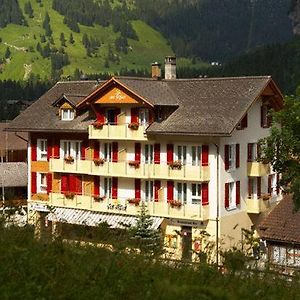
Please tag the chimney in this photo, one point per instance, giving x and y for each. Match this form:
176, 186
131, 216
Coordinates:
156, 70
170, 67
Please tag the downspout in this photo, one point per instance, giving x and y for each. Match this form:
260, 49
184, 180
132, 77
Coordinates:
218, 208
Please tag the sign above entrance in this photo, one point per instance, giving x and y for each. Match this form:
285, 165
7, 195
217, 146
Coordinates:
188, 223
116, 96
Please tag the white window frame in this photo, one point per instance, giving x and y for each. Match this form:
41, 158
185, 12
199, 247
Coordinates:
41, 186
231, 195
144, 116
181, 155
231, 156
197, 198
106, 151
70, 114
42, 149
74, 149
149, 190
106, 189
180, 194
196, 155
148, 154
273, 185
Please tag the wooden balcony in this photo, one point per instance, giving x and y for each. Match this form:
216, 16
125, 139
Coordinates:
118, 132
125, 169
257, 169
122, 206
257, 206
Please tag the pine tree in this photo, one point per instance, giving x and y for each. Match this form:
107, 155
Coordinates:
148, 240
62, 40
7, 53
28, 9
71, 39
46, 25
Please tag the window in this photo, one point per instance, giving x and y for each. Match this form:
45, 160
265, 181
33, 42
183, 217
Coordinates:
180, 154
41, 149
232, 202
67, 114
253, 152
231, 156
107, 151
148, 154
144, 116
107, 188
265, 116
272, 184
254, 187
149, 190
71, 148
196, 155
181, 192
41, 182
196, 193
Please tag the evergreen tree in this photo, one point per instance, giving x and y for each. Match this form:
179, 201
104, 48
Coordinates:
7, 53
46, 25
62, 40
71, 39
28, 9
85, 41
43, 39
148, 240
39, 48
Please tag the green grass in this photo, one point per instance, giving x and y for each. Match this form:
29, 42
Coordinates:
152, 46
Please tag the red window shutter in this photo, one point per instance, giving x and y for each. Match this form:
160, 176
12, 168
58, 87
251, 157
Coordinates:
244, 122
249, 155
100, 115
49, 183
83, 149
258, 187
114, 187
137, 187
33, 149
134, 115
226, 195
56, 149
49, 149
157, 186
96, 150
64, 183
137, 149
115, 151
170, 191
226, 151
237, 155
170, 150
72, 183
238, 192
277, 183
250, 191
204, 193
157, 154
33, 182
96, 186
205, 152
269, 184
117, 112
78, 184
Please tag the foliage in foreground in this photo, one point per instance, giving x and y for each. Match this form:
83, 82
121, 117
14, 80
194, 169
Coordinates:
34, 270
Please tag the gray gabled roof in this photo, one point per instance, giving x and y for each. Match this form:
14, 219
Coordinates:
204, 106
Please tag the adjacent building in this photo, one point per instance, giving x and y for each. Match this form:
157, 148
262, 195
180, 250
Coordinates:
187, 148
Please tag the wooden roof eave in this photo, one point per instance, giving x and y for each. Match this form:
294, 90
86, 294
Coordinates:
104, 87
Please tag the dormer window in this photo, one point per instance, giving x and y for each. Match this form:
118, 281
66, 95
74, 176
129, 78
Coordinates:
67, 114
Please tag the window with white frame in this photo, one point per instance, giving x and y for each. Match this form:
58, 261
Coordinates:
41, 182
70, 148
231, 156
196, 155
273, 184
231, 196
148, 154
181, 192
67, 114
149, 190
107, 151
107, 188
196, 193
144, 116
41, 149
180, 153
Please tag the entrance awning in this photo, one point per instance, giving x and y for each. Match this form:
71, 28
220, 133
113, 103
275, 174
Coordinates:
91, 218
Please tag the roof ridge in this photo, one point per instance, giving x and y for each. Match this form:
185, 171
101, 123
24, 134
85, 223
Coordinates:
135, 78
219, 78
80, 81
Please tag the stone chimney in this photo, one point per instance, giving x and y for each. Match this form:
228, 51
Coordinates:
156, 70
170, 67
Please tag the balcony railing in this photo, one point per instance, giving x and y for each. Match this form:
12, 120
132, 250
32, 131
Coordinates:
123, 206
258, 205
125, 131
131, 170
257, 169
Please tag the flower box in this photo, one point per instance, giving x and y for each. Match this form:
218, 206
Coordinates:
266, 197
99, 198
99, 161
134, 163
175, 204
134, 201
133, 126
69, 195
69, 159
98, 125
176, 165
